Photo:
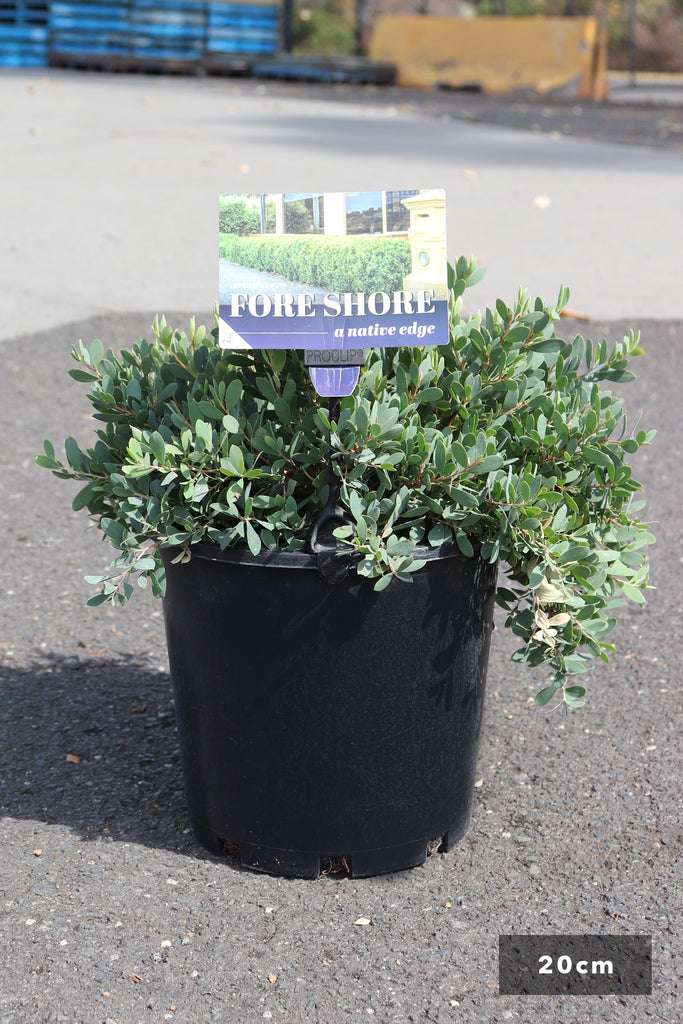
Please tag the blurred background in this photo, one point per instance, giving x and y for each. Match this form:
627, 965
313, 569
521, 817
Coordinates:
645, 35
220, 36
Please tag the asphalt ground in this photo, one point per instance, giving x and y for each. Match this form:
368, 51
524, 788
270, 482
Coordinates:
109, 909
649, 113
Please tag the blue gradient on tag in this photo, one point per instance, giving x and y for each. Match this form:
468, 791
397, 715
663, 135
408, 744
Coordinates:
393, 330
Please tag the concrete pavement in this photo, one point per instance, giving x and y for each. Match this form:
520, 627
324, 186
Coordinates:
111, 183
646, 87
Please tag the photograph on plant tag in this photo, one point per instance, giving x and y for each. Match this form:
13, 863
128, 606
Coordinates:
333, 269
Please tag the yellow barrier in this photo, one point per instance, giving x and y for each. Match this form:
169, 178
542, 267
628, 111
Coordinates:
497, 54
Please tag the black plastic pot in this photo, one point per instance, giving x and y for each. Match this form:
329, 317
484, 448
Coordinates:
327, 721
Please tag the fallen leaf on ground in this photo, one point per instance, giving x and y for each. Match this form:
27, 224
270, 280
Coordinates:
73, 759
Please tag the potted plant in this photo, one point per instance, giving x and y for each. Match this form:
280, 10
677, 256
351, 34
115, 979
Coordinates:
341, 719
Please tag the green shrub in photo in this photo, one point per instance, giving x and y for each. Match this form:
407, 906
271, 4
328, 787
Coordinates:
240, 216
338, 264
298, 219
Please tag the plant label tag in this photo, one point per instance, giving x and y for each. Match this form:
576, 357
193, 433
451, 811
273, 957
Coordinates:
333, 272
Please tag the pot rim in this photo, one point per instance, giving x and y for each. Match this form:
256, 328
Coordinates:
209, 552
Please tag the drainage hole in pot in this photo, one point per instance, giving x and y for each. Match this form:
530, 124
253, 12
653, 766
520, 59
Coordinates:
435, 846
338, 866
231, 851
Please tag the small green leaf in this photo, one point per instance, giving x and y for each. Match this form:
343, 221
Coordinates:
476, 276
84, 497
133, 390
282, 411
253, 539
201, 489
204, 432
96, 352
73, 453
596, 456
157, 446
343, 532
463, 498
210, 409
356, 505
46, 462
278, 358
84, 377
634, 593
575, 691
488, 464
517, 334
439, 534
233, 393
459, 454
464, 544
322, 419
430, 396
382, 583
560, 519
545, 695
145, 564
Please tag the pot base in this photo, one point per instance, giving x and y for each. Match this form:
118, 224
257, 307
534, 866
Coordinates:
304, 864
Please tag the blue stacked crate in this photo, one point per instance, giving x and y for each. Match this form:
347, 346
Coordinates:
159, 34
88, 31
167, 31
23, 33
245, 29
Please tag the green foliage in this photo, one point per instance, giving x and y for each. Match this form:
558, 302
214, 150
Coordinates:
326, 27
343, 264
535, 8
298, 219
239, 215
326, 30
508, 442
